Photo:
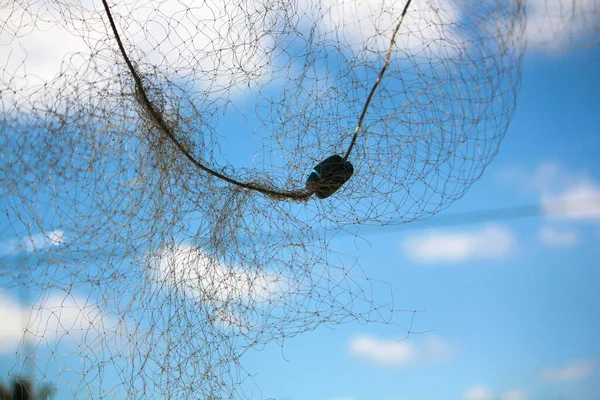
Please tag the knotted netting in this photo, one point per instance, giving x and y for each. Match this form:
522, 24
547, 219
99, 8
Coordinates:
155, 180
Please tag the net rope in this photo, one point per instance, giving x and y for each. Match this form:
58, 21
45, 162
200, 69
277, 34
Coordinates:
151, 276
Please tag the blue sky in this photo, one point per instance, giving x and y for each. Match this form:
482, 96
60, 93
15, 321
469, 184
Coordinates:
514, 312
508, 309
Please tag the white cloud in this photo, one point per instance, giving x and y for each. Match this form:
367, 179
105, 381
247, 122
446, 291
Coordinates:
490, 242
570, 372
554, 24
193, 271
482, 392
515, 395
231, 48
197, 275
478, 392
57, 315
579, 200
43, 241
11, 328
35, 242
35, 48
363, 24
384, 352
563, 194
35, 53
560, 238
397, 353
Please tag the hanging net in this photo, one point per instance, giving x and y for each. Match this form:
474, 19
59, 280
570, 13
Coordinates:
171, 184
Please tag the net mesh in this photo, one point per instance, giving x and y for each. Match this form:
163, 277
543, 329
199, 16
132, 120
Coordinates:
160, 276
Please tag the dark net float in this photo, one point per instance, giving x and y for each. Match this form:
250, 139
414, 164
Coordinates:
328, 176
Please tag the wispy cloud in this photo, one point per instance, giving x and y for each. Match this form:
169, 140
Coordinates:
515, 395
37, 241
385, 352
564, 194
478, 392
569, 372
48, 41
58, 315
43, 241
13, 319
368, 24
483, 392
566, 199
208, 280
555, 24
192, 270
490, 242
552, 236
579, 200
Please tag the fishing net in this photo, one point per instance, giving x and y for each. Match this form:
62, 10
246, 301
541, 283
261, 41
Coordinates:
154, 183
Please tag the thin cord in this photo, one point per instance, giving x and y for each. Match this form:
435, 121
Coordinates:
162, 125
379, 77
156, 116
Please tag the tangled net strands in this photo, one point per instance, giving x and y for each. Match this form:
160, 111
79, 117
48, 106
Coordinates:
160, 259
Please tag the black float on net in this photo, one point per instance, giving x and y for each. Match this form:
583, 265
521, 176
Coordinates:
328, 176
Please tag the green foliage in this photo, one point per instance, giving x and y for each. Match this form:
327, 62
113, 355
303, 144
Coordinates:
23, 389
